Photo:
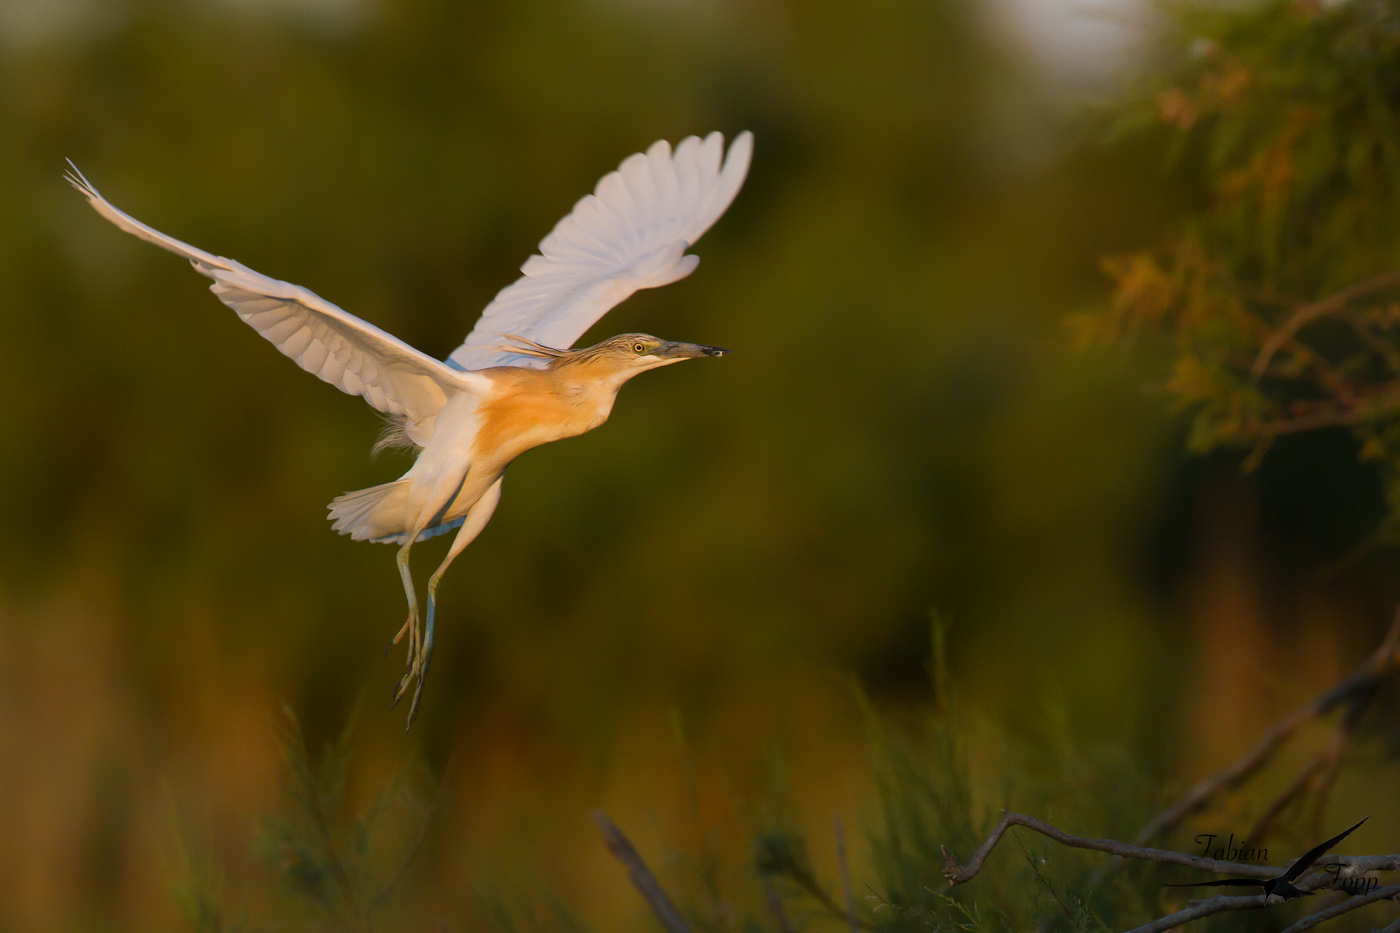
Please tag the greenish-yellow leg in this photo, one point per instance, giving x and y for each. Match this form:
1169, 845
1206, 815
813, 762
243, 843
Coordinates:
476, 520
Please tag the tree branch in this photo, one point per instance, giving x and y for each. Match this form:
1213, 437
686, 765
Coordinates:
1202, 909
1338, 866
959, 874
1376, 343
775, 904
1336, 910
1308, 313
845, 871
1319, 775
642, 878
1328, 375
1382, 663
1329, 416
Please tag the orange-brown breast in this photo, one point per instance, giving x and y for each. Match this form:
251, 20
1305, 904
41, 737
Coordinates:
532, 407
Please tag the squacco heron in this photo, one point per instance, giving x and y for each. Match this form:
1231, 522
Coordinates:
510, 386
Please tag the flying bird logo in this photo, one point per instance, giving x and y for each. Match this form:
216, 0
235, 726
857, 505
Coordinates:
1281, 886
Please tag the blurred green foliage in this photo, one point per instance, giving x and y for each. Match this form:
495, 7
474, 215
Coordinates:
904, 426
347, 865
1278, 292
929, 805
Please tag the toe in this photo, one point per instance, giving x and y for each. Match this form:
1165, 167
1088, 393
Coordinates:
402, 687
413, 707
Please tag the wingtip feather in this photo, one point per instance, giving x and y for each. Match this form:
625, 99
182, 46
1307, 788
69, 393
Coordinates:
623, 234
77, 179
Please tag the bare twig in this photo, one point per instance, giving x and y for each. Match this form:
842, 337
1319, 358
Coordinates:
1354, 866
1293, 793
1382, 663
1336, 910
1308, 313
1377, 344
775, 904
1318, 877
1202, 909
1317, 776
959, 874
1330, 416
642, 878
1327, 375
845, 870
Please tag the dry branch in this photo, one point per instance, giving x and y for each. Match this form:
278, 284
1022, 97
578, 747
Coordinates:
1308, 313
1384, 662
1202, 909
845, 870
1337, 866
775, 904
1336, 910
958, 874
1324, 414
1319, 775
642, 878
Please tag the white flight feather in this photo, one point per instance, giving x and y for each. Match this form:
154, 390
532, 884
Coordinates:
352, 355
630, 233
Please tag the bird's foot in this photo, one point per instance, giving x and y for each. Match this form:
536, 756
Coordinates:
417, 664
414, 673
417, 673
413, 706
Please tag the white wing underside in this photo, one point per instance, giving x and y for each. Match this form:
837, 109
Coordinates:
352, 355
630, 233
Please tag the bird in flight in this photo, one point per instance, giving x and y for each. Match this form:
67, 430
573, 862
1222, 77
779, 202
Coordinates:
513, 384
1280, 886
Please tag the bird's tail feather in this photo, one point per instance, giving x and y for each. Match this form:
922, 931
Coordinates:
368, 513
378, 514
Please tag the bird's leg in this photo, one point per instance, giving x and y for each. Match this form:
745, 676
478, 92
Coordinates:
410, 627
476, 520
437, 500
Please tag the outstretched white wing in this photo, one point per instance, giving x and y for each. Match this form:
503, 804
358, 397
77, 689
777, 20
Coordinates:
352, 355
631, 232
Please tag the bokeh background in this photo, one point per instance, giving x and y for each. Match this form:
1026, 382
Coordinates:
673, 618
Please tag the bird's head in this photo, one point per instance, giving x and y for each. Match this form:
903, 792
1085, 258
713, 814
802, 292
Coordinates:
622, 357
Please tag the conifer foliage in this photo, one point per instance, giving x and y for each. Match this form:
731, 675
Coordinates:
1277, 296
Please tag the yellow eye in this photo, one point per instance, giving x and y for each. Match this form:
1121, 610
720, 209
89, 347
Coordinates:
639, 347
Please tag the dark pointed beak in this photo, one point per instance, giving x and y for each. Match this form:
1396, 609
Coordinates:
684, 351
